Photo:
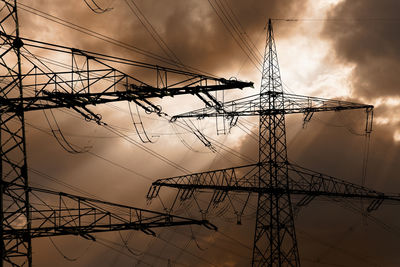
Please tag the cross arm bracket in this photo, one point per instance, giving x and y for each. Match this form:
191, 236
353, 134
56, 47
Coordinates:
301, 181
230, 179
251, 106
57, 213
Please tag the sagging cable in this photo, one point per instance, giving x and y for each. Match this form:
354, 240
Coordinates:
96, 8
139, 127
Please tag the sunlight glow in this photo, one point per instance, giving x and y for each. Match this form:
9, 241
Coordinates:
307, 61
387, 101
396, 136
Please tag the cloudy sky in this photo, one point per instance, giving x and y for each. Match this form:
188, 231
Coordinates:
346, 49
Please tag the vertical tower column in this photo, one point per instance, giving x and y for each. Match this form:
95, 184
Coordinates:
275, 238
15, 213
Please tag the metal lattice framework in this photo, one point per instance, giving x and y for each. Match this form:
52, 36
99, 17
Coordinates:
88, 80
13, 147
273, 178
57, 213
91, 80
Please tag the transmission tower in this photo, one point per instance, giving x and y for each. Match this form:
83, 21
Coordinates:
273, 178
26, 84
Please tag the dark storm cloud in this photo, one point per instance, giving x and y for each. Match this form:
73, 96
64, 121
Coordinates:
201, 39
191, 29
366, 33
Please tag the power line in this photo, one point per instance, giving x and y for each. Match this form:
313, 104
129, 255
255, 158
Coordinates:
371, 19
152, 31
235, 24
217, 143
96, 8
148, 150
98, 156
93, 33
186, 251
242, 28
174, 62
104, 242
65, 256
237, 40
110, 244
114, 59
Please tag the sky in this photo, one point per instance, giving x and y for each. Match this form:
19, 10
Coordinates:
343, 49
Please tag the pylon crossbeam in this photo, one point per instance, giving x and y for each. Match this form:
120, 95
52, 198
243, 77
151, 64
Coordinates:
292, 104
54, 213
97, 82
301, 181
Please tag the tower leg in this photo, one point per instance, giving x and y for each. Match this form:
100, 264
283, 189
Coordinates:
15, 211
275, 238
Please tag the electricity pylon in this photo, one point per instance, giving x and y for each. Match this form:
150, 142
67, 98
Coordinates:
26, 84
273, 178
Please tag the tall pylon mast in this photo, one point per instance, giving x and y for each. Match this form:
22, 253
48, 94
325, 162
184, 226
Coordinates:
274, 237
13, 145
274, 179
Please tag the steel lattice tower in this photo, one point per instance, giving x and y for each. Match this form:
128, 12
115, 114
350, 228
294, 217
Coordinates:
13, 146
273, 178
274, 219
27, 212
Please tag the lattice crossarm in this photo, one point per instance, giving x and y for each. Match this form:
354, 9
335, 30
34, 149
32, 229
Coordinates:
230, 179
303, 181
56, 93
291, 103
246, 106
46, 99
55, 213
91, 79
301, 104
85, 63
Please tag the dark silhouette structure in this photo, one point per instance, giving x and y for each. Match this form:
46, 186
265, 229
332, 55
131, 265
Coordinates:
28, 84
273, 178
